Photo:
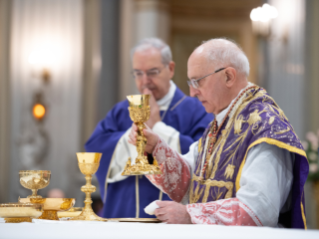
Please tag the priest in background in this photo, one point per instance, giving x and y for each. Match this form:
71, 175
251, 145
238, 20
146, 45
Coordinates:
249, 167
178, 119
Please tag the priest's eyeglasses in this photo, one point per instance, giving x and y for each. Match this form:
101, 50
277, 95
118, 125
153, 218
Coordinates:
195, 83
152, 73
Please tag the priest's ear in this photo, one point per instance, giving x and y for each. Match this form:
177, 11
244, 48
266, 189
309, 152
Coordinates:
171, 67
230, 76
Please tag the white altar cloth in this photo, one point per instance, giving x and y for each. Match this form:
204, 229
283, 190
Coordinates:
119, 230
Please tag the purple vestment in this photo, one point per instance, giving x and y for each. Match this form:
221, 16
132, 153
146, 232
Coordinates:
255, 119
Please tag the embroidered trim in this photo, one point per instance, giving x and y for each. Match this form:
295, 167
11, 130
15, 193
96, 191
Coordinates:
108, 173
303, 213
272, 142
160, 195
178, 102
137, 196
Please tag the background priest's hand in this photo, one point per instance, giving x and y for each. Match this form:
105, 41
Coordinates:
172, 213
155, 111
150, 136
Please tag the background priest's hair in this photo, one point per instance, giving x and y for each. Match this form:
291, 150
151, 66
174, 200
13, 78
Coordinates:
224, 52
157, 43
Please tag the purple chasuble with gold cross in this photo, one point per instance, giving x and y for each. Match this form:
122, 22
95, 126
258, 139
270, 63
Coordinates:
255, 119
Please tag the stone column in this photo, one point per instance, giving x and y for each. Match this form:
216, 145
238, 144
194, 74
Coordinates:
5, 13
54, 29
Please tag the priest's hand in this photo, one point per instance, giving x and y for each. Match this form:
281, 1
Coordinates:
172, 212
155, 112
150, 136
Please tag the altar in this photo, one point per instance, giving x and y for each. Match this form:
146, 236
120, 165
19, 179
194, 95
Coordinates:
82, 229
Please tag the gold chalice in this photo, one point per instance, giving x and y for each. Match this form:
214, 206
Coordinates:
51, 206
34, 180
139, 113
88, 164
20, 212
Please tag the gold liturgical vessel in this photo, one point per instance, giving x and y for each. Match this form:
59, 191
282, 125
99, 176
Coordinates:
51, 206
38, 179
20, 212
34, 180
139, 113
88, 164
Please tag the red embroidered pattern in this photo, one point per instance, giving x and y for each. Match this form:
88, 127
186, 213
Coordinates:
223, 212
176, 176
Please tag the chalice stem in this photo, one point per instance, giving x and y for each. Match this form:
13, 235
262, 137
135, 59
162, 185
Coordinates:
141, 142
88, 190
34, 192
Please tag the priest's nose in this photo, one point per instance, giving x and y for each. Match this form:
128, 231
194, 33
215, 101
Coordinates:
193, 92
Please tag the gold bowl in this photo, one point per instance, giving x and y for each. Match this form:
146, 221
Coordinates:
139, 109
51, 206
73, 212
20, 212
34, 180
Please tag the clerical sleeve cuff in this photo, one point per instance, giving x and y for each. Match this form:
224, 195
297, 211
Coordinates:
160, 150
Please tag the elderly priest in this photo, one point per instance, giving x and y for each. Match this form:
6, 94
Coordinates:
178, 119
249, 167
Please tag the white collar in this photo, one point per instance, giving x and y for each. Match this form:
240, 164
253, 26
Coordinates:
167, 99
220, 117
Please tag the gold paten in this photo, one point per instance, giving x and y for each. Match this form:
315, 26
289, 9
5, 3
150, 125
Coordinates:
145, 220
18, 219
139, 113
51, 206
88, 164
34, 180
73, 212
20, 212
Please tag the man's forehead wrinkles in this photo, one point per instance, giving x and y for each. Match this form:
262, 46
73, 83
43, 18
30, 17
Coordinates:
154, 68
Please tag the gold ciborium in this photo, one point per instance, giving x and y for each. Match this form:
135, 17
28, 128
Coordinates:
34, 180
51, 206
20, 212
88, 164
139, 113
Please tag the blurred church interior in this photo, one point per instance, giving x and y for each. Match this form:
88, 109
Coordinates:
65, 63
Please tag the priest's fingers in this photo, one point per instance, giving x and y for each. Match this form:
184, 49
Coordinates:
152, 140
147, 127
163, 218
163, 203
133, 134
159, 211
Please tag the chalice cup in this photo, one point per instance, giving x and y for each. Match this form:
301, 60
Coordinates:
139, 113
34, 180
88, 164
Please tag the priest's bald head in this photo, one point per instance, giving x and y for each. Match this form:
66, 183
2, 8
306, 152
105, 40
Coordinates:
152, 66
218, 70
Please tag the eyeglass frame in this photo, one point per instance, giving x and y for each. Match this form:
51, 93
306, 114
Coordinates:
147, 73
194, 83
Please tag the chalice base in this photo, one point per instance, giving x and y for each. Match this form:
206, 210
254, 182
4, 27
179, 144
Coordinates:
18, 219
88, 215
49, 215
140, 169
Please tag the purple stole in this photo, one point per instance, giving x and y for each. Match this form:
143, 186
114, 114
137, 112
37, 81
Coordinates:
255, 119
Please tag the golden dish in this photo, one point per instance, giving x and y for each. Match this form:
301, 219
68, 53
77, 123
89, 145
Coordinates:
51, 206
145, 220
73, 212
20, 212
